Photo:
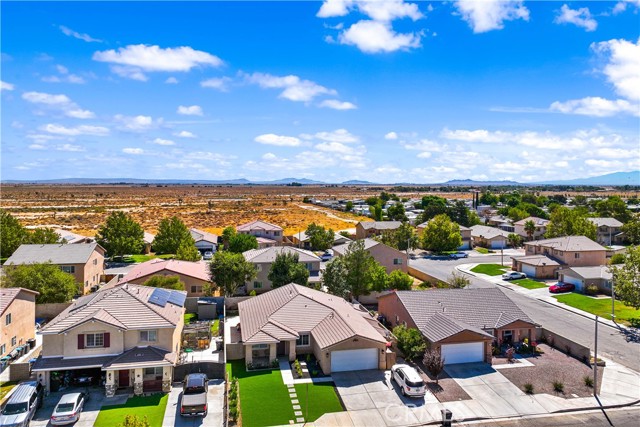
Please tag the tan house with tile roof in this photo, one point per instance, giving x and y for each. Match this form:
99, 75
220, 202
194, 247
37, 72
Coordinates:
390, 258
540, 227
294, 320
609, 231
367, 229
265, 231
129, 335
17, 318
263, 258
194, 275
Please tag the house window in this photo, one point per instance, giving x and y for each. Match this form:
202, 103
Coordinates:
153, 373
257, 285
14, 341
3, 349
607, 285
71, 269
95, 262
259, 346
258, 267
7, 319
303, 340
195, 289
308, 266
397, 261
94, 340
149, 336
576, 255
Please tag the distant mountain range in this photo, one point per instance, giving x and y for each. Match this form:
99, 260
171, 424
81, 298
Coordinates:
612, 179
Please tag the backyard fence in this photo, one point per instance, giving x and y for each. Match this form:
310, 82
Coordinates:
213, 370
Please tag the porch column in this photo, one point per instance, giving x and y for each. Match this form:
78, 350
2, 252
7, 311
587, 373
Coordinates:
273, 351
167, 373
110, 385
248, 355
137, 381
292, 350
44, 379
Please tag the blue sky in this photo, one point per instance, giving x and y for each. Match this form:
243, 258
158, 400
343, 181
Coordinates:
386, 91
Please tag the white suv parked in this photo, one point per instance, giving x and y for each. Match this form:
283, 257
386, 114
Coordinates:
409, 381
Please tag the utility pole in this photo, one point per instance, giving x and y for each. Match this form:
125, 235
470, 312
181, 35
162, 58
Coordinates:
613, 302
595, 363
502, 255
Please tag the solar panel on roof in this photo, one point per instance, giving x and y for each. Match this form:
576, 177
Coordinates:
82, 301
177, 298
159, 297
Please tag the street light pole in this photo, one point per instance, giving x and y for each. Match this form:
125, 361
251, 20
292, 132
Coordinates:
613, 302
595, 363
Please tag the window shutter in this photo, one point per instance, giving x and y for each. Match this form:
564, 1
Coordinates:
80, 341
107, 339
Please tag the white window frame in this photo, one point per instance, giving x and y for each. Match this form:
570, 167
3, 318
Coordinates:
301, 339
149, 333
397, 261
14, 341
95, 336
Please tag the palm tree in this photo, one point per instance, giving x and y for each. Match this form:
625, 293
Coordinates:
530, 228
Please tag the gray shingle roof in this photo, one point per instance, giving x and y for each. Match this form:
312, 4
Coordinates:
569, 243
267, 255
368, 244
441, 326
56, 254
487, 232
258, 225
380, 225
607, 222
537, 260
597, 272
199, 235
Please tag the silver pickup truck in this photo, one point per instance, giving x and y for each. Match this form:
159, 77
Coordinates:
194, 395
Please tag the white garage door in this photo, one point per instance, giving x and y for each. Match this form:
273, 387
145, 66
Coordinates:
497, 244
463, 353
354, 360
529, 270
574, 281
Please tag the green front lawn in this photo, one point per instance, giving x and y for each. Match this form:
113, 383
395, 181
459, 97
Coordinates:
214, 327
131, 259
529, 284
489, 269
322, 399
482, 250
190, 317
601, 307
152, 407
6, 387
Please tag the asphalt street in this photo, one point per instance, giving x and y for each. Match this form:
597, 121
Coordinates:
618, 345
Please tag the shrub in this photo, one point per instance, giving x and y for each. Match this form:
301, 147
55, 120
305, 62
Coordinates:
252, 293
434, 362
588, 381
528, 388
275, 363
617, 259
134, 421
591, 290
308, 358
558, 386
314, 373
410, 341
495, 350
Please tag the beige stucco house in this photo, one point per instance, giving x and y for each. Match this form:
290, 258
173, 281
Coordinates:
540, 227
609, 231
390, 258
266, 233
17, 318
194, 275
84, 261
489, 237
129, 335
263, 258
581, 277
368, 229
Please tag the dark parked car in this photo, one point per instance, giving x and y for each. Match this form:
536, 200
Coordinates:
561, 287
194, 395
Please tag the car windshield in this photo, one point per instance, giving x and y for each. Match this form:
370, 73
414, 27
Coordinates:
15, 408
65, 407
415, 383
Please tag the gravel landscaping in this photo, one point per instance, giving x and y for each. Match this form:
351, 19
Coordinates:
447, 389
551, 366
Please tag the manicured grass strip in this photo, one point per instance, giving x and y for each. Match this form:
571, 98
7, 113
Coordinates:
145, 258
529, 284
489, 269
6, 387
264, 399
152, 407
214, 327
601, 307
322, 399
482, 250
190, 317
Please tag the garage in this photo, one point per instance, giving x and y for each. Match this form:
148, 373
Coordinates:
498, 244
463, 353
529, 270
574, 281
354, 360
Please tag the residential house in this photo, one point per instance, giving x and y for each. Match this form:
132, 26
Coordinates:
71, 237
296, 320
263, 258
609, 231
267, 234
501, 222
489, 237
390, 258
127, 336
301, 240
194, 275
17, 319
465, 233
85, 262
375, 228
540, 227
581, 277
543, 258
205, 241
459, 323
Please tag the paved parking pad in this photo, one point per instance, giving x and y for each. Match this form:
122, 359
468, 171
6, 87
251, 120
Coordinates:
88, 415
215, 405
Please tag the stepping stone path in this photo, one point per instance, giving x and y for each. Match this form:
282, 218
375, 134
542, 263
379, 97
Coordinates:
296, 405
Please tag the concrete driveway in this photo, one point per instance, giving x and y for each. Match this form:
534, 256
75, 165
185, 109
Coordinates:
89, 413
215, 404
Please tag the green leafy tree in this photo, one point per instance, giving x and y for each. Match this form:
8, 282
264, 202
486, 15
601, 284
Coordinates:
187, 250
376, 212
120, 235
613, 207
516, 214
12, 234
631, 230
461, 214
239, 243
529, 228
488, 198
433, 206
360, 272
626, 278
229, 271
227, 234
319, 238
165, 282
54, 285
410, 342
399, 280
396, 212
172, 232
334, 278
441, 234
514, 240
570, 222
44, 236
286, 269
379, 278
402, 238
349, 206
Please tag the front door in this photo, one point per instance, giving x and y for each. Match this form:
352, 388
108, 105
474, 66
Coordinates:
281, 348
123, 378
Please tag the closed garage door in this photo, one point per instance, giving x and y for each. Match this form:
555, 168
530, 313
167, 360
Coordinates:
463, 353
529, 270
574, 281
354, 360
498, 244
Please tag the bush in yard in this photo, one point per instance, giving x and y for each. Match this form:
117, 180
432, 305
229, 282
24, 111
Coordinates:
617, 259
558, 386
134, 421
591, 290
528, 388
434, 362
410, 341
588, 381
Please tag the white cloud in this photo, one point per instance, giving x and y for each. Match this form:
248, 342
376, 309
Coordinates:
64, 76
160, 141
70, 147
334, 147
623, 66
613, 153
338, 105
219, 83
479, 135
338, 135
376, 37
424, 155
133, 60
171, 81
6, 86
133, 151
487, 15
391, 136
379, 10
36, 147
333, 8
579, 17
269, 156
58, 102
81, 36
279, 140
621, 6
596, 107
75, 131
135, 123
193, 110
184, 134
294, 88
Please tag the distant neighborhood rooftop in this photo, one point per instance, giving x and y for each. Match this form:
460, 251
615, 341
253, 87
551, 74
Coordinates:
199, 235
569, 243
605, 222
487, 232
380, 225
258, 225
268, 255
343, 248
540, 222
198, 270
55, 253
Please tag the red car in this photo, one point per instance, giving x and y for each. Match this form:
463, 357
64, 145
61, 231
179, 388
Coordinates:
561, 287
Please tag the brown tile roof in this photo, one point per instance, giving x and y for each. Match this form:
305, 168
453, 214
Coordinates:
285, 312
258, 225
568, 243
267, 255
197, 270
441, 326
124, 306
7, 295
